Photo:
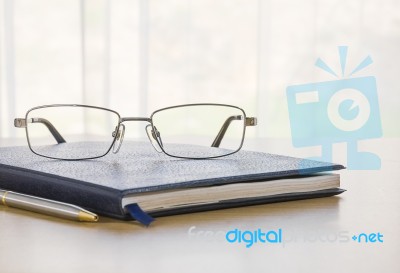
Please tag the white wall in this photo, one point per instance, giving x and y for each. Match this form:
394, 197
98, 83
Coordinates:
138, 56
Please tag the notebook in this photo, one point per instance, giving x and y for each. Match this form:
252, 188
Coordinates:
140, 183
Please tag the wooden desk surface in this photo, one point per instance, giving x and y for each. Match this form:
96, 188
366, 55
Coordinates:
316, 233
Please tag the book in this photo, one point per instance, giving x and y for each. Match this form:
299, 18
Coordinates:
139, 181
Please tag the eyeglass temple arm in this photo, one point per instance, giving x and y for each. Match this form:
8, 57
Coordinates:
250, 121
21, 123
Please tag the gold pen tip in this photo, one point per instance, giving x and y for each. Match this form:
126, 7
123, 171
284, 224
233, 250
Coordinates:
87, 217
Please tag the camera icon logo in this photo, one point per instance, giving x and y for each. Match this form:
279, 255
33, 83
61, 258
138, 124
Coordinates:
343, 110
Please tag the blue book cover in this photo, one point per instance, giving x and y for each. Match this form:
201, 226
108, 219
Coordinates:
99, 185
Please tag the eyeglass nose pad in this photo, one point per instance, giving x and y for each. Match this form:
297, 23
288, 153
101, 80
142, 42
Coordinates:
119, 138
153, 138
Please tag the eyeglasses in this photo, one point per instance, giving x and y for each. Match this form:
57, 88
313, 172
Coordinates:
192, 131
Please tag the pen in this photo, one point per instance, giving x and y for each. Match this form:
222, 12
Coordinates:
45, 206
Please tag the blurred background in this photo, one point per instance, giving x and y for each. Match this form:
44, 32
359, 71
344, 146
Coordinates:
136, 56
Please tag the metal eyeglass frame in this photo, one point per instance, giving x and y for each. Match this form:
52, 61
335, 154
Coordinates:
153, 135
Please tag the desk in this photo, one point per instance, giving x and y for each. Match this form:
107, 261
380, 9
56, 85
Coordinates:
316, 233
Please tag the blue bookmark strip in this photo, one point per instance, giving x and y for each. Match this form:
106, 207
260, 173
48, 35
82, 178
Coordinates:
139, 215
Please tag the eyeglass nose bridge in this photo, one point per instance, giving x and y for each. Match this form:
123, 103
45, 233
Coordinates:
154, 136
135, 119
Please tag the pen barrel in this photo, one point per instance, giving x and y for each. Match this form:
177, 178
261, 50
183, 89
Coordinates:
39, 205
